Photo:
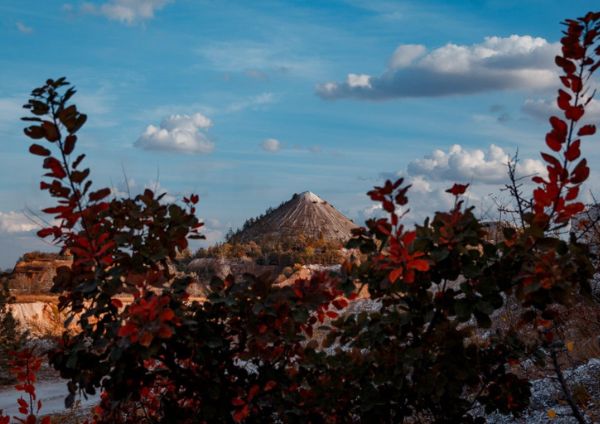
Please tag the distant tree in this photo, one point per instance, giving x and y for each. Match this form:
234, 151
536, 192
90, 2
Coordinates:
10, 337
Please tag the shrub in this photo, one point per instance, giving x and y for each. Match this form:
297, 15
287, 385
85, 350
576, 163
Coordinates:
10, 336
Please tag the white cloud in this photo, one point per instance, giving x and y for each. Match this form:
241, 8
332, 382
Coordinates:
355, 80
477, 166
405, 55
15, 222
271, 145
24, 29
127, 11
180, 133
515, 62
544, 109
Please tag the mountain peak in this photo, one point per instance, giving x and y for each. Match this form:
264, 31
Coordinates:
305, 214
310, 197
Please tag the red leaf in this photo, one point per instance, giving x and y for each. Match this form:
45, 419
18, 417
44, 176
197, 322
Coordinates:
553, 142
116, 303
568, 66
564, 100
55, 166
22, 403
573, 151
395, 274
419, 265
253, 392
566, 81
165, 332
580, 173
240, 415
572, 193
576, 84
35, 132
538, 180
388, 206
559, 125
45, 232
269, 385
99, 195
575, 113
574, 208
552, 161
194, 198
238, 402
36, 149
409, 237
70, 144
340, 303
457, 189
167, 315
127, 330
587, 130
50, 131
332, 314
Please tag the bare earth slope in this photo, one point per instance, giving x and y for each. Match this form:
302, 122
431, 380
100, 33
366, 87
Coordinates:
306, 214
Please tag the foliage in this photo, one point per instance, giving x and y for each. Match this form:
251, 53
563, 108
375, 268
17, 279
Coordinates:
10, 337
24, 366
256, 352
282, 251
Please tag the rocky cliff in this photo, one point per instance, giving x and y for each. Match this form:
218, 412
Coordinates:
35, 271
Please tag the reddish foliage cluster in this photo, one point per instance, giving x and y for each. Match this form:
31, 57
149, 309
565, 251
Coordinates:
578, 61
24, 366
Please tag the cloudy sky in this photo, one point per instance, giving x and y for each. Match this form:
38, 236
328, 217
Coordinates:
247, 102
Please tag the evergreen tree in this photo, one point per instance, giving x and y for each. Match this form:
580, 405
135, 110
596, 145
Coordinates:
10, 337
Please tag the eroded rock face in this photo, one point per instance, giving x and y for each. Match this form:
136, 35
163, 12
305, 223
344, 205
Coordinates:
39, 318
35, 271
206, 268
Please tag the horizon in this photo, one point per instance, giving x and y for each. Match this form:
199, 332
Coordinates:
250, 103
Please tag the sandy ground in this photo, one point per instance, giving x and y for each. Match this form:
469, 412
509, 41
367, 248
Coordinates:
52, 394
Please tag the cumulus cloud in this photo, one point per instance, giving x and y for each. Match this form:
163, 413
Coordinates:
15, 222
544, 108
498, 63
405, 55
24, 29
179, 133
271, 145
127, 11
459, 164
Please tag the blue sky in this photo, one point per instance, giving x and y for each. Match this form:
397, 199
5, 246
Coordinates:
247, 102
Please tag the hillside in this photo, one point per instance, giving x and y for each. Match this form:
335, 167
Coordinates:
304, 214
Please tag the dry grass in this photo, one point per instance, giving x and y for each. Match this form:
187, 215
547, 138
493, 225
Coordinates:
32, 298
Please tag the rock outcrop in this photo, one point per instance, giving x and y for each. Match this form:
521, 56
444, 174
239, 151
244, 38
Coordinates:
35, 271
